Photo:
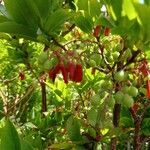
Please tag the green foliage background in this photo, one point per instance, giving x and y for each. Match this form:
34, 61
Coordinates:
79, 115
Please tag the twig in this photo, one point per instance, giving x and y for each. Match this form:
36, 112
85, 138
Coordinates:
69, 30
58, 44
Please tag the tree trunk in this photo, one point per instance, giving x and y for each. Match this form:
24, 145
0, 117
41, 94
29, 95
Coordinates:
137, 138
116, 117
43, 91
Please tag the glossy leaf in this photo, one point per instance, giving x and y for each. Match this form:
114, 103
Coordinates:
9, 137
83, 5
143, 12
129, 9
26, 145
55, 21
19, 11
115, 8
84, 23
92, 116
3, 19
17, 29
145, 126
94, 8
73, 129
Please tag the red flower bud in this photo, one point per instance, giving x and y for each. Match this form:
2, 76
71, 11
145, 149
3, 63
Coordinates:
54, 71
71, 70
21, 76
144, 68
97, 30
107, 31
52, 75
64, 73
148, 88
78, 74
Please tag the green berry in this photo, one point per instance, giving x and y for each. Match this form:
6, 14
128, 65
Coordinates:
119, 97
120, 76
133, 91
128, 101
115, 55
92, 63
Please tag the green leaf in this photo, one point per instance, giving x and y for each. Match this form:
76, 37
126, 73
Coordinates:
9, 137
102, 20
94, 7
3, 19
20, 11
115, 8
58, 92
43, 7
26, 145
83, 5
73, 129
55, 21
126, 122
85, 23
143, 12
92, 116
129, 9
145, 126
17, 29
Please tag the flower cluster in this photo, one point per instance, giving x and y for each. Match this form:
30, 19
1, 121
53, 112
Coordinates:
97, 31
70, 70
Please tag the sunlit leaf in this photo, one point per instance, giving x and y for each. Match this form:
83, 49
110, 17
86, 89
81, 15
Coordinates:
9, 137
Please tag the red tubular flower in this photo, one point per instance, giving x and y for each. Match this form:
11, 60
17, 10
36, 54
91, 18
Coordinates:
71, 70
78, 74
52, 75
54, 71
148, 88
97, 30
107, 31
64, 73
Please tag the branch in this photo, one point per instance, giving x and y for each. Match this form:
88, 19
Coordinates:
58, 44
69, 30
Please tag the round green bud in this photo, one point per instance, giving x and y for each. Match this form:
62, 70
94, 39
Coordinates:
125, 89
128, 101
119, 97
120, 76
133, 91
92, 63
111, 101
115, 55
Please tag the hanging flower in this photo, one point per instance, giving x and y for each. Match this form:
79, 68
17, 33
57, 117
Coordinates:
97, 30
78, 73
